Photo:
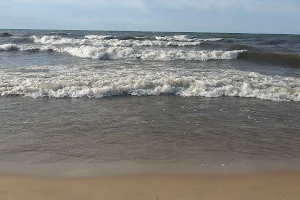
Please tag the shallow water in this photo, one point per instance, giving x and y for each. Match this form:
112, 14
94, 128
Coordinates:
167, 98
148, 129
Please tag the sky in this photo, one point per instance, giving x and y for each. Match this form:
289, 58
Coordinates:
238, 16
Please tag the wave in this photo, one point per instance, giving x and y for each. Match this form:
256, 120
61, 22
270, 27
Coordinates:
122, 37
126, 53
273, 42
179, 38
239, 47
9, 47
5, 34
90, 82
118, 50
22, 40
186, 38
103, 41
115, 53
100, 37
15, 47
291, 60
57, 40
60, 33
125, 41
112, 41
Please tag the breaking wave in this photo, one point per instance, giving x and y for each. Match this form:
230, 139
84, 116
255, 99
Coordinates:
114, 53
109, 47
180, 38
109, 41
90, 82
119, 53
100, 37
15, 47
9, 47
185, 38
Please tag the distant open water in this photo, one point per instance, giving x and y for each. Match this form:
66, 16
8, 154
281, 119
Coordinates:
148, 96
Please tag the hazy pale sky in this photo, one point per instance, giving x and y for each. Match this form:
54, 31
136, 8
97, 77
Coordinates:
252, 16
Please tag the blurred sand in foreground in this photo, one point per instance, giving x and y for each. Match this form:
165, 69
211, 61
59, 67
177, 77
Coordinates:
273, 186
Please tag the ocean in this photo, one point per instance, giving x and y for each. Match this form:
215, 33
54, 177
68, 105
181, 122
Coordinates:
148, 101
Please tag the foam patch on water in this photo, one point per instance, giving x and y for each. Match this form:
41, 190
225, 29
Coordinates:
90, 82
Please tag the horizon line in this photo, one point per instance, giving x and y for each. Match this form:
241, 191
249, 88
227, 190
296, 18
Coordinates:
54, 29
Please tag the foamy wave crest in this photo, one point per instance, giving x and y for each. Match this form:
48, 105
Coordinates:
15, 47
99, 37
58, 40
118, 53
101, 53
9, 47
130, 53
185, 38
89, 82
102, 41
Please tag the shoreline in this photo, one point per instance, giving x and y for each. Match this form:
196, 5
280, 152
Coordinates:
267, 186
130, 168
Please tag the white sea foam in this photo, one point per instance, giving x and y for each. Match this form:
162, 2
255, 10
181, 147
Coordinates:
186, 38
112, 41
82, 82
99, 37
97, 40
58, 40
130, 53
118, 53
168, 38
8, 47
100, 53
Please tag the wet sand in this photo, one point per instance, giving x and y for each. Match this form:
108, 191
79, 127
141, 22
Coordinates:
271, 186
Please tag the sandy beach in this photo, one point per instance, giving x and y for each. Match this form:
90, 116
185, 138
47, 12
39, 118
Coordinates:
271, 186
